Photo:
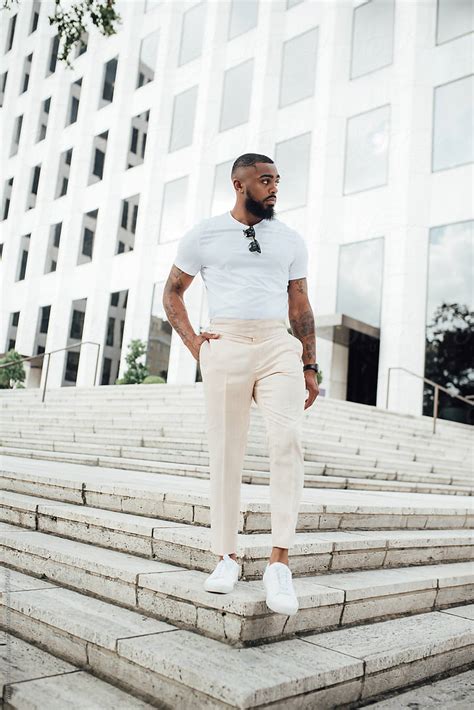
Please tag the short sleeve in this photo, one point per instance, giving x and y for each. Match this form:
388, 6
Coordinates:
299, 266
188, 254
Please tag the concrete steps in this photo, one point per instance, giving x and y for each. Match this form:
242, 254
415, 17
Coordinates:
104, 548
173, 591
165, 497
329, 477
34, 679
161, 663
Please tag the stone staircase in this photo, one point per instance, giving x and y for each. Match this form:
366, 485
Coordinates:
104, 547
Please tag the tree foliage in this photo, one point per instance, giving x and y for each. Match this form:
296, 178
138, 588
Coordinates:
71, 20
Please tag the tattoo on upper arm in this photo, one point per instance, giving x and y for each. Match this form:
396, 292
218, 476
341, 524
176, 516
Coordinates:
175, 280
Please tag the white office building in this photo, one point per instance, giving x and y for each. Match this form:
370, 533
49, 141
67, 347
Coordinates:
366, 109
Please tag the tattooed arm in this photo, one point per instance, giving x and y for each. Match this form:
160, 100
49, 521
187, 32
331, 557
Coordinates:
302, 324
173, 303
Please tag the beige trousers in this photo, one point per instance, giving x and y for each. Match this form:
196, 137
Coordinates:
260, 360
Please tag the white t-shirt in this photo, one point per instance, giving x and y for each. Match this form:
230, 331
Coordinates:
241, 283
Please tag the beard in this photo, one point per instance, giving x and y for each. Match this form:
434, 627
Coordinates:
259, 209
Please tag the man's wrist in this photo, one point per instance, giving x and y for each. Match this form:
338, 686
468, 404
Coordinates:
311, 367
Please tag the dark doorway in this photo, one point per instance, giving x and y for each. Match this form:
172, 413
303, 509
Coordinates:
363, 368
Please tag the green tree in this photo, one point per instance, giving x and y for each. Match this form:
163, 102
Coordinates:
13, 375
448, 359
137, 371
71, 22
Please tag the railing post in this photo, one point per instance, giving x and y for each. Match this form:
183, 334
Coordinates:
388, 386
46, 377
435, 408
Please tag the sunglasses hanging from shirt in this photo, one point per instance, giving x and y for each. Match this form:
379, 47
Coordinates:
250, 234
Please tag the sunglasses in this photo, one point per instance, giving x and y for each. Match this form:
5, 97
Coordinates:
254, 245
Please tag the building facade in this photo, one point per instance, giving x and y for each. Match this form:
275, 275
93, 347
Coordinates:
366, 108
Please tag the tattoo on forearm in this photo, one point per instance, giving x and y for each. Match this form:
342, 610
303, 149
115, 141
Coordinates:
174, 306
304, 329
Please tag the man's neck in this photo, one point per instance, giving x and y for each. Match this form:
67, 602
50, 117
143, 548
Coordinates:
245, 217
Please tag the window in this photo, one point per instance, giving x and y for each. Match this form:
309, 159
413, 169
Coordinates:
449, 315
63, 172
108, 83
35, 176
454, 18
99, 150
223, 194
74, 98
372, 36
45, 312
23, 256
89, 226
16, 135
35, 15
452, 130
52, 253
147, 59
3, 86
26, 73
81, 47
173, 208
182, 129
7, 193
11, 33
138, 134
359, 281
114, 337
76, 329
43, 119
367, 141
236, 94
53, 55
243, 17
159, 335
128, 222
192, 32
298, 52
292, 159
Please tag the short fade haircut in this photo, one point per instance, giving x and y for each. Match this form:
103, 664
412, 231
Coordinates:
248, 159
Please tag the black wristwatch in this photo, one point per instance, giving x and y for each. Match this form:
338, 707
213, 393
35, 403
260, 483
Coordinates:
314, 367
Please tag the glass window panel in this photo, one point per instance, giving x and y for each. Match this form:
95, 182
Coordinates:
292, 159
236, 95
183, 119
108, 82
147, 59
359, 284
159, 335
126, 230
192, 33
372, 36
367, 142
454, 19
449, 318
99, 151
298, 52
138, 134
452, 130
173, 209
243, 17
223, 195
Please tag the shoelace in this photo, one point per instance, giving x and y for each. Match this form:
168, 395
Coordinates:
284, 580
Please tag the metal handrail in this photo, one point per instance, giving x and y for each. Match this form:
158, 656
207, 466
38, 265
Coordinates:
436, 386
51, 352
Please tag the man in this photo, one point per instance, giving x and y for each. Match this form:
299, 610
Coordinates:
254, 268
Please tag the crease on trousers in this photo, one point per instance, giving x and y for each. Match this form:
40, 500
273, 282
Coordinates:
253, 360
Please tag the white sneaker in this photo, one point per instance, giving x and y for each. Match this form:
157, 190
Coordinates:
224, 576
278, 583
